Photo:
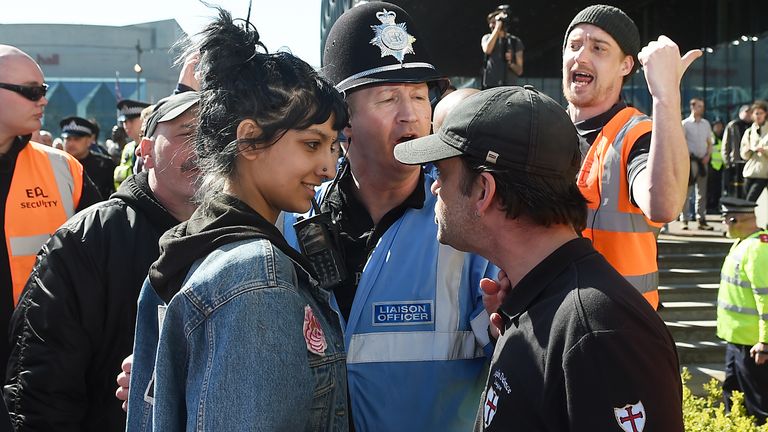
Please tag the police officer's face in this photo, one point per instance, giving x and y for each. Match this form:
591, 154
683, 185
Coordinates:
19, 115
593, 67
383, 116
78, 146
453, 212
133, 128
738, 225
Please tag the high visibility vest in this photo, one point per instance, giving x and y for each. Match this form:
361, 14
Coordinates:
45, 190
125, 169
716, 158
742, 301
618, 229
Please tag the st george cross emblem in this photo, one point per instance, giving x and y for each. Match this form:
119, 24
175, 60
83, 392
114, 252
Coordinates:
393, 39
631, 417
489, 409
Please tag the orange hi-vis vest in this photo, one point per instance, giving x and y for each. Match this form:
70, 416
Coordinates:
45, 190
618, 229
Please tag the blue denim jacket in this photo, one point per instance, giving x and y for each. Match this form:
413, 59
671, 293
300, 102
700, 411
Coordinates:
232, 353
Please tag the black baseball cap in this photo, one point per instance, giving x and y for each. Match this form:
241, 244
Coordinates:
169, 108
377, 42
511, 127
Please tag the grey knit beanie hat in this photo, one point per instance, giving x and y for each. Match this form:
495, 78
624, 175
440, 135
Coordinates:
615, 22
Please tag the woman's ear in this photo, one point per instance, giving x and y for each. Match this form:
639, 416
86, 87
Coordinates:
247, 129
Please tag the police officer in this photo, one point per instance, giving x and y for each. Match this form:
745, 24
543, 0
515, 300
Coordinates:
416, 328
742, 308
130, 117
78, 135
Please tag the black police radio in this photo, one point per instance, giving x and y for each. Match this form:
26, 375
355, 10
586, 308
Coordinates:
318, 238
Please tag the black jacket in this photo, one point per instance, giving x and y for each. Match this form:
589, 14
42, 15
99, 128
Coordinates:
75, 320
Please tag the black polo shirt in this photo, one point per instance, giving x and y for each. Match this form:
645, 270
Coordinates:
582, 351
637, 160
359, 234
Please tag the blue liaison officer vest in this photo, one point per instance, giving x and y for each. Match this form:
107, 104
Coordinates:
417, 341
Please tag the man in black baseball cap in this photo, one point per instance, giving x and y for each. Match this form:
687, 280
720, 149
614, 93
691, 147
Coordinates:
78, 134
636, 181
507, 190
415, 322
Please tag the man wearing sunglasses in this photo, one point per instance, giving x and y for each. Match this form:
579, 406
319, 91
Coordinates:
41, 187
742, 308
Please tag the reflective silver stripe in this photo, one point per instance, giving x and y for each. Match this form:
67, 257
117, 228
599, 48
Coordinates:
412, 346
644, 283
739, 309
365, 73
735, 280
618, 222
450, 263
64, 181
25, 246
608, 216
610, 180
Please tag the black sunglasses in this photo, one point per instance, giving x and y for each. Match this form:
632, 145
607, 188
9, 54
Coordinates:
33, 93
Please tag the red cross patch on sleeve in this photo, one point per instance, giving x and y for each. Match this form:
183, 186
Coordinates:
631, 417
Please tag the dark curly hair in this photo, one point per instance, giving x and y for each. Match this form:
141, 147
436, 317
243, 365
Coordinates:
240, 80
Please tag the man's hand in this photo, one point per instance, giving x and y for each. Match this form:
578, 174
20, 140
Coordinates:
494, 293
759, 352
663, 66
188, 75
123, 381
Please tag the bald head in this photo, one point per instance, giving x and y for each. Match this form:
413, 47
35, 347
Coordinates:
11, 57
19, 115
448, 103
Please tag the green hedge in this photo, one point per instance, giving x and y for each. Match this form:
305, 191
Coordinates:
707, 414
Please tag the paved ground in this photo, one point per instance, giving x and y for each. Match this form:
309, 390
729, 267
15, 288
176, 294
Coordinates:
675, 231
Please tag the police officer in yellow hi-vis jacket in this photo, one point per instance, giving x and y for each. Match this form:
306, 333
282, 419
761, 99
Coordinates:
742, 308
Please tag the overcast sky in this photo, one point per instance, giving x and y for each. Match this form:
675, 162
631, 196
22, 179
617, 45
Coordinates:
294, 24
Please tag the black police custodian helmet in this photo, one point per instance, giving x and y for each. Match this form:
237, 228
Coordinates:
77, 126
377, 42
